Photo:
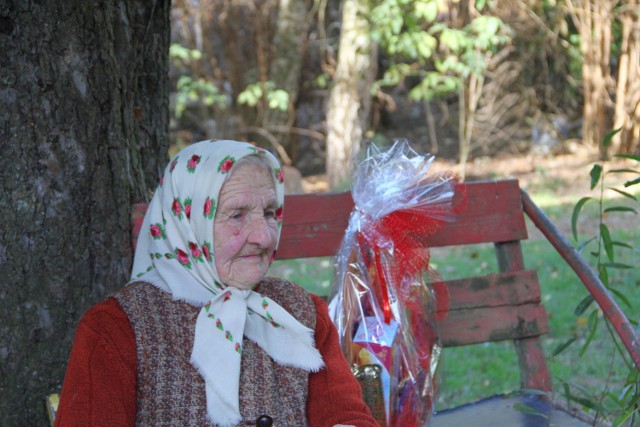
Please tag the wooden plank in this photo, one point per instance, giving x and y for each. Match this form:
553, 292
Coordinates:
473, 326
494, 290
534, 373
314, 224
493, 214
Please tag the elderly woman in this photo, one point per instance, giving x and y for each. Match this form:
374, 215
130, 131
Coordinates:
200, 336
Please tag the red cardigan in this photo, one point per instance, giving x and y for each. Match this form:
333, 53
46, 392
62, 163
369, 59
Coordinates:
100, 383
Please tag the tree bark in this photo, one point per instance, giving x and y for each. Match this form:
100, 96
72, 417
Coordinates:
83, 131
462, 14
627, 108
349, 107
593, 20
287, 55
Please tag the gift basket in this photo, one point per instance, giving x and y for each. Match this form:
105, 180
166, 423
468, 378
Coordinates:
385, 301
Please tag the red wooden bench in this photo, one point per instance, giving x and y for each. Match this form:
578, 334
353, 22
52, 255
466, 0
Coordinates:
505, 305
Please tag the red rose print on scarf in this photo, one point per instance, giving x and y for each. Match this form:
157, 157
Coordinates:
195, 251
187, 208
176, 208
209, 207
173, 164
273, 323
279, 175
226, 164
257, 150
183, 258
192, 163
206, 250
157, 231
279, 215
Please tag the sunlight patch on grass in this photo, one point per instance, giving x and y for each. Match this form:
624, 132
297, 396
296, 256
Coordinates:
313, 274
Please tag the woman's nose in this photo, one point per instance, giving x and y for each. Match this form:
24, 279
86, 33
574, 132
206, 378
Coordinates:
261, 233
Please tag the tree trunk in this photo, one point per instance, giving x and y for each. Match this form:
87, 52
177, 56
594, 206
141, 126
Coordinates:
350, 101
83, 131
469, 93
593, 20
627, 109
287, 54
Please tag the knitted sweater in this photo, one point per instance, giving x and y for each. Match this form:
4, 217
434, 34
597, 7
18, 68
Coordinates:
100, 386
170, 390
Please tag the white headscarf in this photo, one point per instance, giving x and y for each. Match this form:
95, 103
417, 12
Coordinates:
174, 253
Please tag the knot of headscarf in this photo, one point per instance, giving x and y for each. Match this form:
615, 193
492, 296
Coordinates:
174, 253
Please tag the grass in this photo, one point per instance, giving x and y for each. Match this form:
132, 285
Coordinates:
467, 374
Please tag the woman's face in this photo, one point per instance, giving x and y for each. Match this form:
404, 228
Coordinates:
245, 226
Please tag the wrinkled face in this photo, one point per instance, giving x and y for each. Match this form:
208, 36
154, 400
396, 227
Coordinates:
245, 226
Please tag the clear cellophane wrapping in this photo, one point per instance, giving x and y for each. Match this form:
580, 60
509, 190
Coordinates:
384, 295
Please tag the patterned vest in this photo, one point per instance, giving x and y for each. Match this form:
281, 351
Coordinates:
171, 392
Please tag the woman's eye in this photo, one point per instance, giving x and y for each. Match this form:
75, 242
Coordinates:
236, 215
269, 213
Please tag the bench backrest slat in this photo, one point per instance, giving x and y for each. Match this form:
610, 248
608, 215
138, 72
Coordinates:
494, 290
493, 308
474, 326
493, 214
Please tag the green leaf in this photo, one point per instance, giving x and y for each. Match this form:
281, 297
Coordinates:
623, 417
184, 83
628, 156
632, 182
622, 297
623, 171
593, 327
526, 409
596, 172
622, 244
585, 243
567, 390
617, 265
606, 239
583, 305
480, 4
177, 51
426, 10
620, 209
576, 213
562, 347
585, 402
453, 39
624, 193
609, 136
603, 274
